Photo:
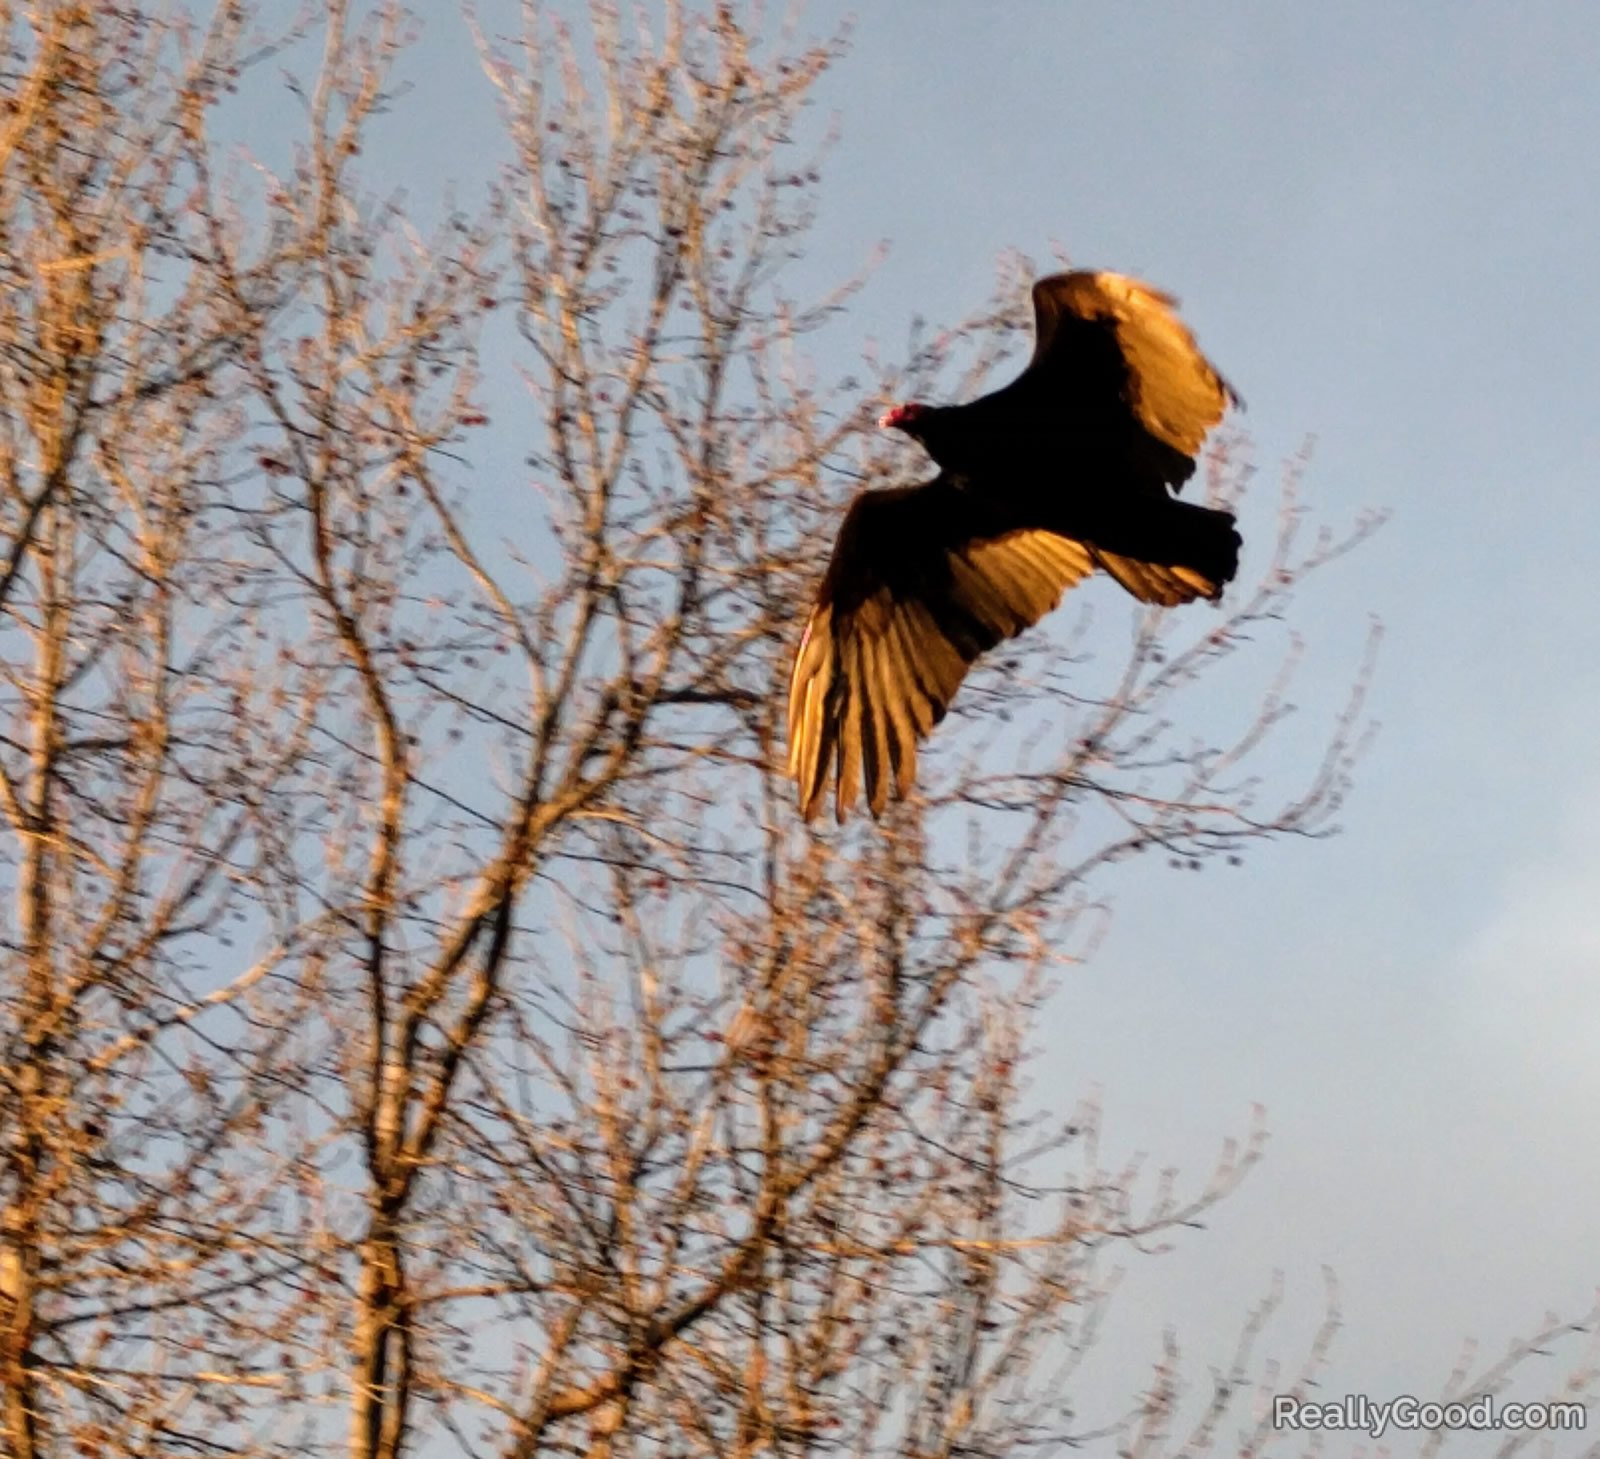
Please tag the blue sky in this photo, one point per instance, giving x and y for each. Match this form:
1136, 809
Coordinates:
1381, 221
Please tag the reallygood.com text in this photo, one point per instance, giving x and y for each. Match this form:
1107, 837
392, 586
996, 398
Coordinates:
1358, 1412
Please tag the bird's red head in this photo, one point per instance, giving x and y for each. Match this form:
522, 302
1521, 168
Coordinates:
901, 417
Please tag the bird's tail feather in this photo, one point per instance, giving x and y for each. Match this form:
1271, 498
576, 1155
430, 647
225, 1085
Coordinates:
1170, 556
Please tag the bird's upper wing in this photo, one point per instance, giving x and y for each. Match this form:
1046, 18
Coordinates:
923, 579
1117, 345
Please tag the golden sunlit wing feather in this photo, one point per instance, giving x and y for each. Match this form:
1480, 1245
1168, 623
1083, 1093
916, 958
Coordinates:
1176, 393
903, 614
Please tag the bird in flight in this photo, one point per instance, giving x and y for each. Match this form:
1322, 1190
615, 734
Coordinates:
1069, 468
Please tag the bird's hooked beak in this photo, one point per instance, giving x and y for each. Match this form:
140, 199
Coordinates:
899, 417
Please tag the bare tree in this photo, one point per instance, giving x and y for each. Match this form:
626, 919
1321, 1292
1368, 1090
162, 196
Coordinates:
426, 1023
157, 731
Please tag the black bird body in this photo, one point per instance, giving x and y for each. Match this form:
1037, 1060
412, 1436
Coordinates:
1069, 468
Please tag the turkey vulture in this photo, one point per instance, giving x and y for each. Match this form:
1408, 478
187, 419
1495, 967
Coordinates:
1065, 470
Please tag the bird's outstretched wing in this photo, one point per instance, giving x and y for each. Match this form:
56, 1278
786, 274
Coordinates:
1116, 349
923, 579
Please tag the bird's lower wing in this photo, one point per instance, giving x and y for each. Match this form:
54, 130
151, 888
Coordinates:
912, 598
